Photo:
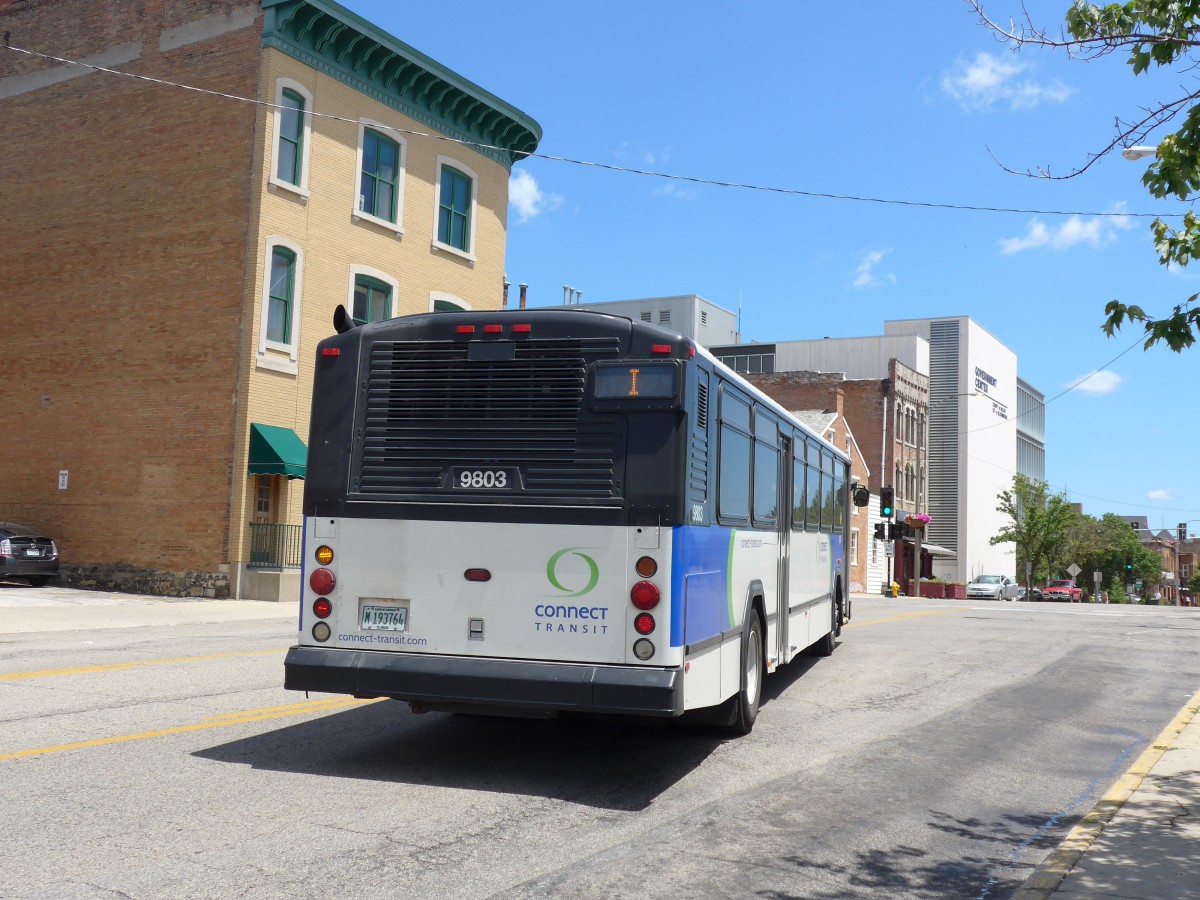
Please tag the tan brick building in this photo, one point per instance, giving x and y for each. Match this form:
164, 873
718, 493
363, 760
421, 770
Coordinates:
171, 258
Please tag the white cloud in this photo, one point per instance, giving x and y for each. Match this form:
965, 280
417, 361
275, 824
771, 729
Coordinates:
865, 275
1098, 231
1097, 383
676, 190
1162, 494
528, 199
990, 80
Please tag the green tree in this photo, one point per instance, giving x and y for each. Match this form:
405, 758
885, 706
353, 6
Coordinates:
1159, 34
1040, 523
1193, 584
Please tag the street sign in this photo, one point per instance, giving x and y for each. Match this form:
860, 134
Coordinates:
889, 549
1074, 569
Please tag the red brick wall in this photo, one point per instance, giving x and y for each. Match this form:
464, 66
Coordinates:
122, 248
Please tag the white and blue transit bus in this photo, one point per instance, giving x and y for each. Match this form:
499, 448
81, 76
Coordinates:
536, 511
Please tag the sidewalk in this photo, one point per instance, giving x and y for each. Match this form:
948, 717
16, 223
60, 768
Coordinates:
29, 610
1142, 840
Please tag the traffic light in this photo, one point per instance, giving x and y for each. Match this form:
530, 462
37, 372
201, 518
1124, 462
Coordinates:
879, 534
1128, 566
887, 499
1181, 531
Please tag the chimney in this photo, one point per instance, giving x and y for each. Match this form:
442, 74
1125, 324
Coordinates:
504, 299
524, 288
566, 295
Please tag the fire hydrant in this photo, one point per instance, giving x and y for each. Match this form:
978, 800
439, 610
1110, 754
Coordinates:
895, 589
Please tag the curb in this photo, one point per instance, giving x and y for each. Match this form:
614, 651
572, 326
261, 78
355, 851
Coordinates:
1049, 875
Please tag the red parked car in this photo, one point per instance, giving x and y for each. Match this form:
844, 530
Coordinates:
1063, 590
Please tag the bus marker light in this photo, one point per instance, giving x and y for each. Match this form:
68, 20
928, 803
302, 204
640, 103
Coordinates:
660, 348
465, 329
331, 351
644, 596
322, 608
492, 329
321, 581
477, 575
324, 554
321, 632
646, 567
643, 649
687, 667
644, 623
522, 329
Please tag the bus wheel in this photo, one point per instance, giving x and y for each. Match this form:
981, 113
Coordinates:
824, 647
748, 697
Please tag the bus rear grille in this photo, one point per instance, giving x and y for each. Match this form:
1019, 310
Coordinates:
430, 409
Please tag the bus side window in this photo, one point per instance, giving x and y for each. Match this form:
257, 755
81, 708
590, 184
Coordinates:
766, 469
799, 503
733, 466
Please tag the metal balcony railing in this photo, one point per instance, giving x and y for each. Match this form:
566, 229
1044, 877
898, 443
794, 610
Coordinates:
275, 546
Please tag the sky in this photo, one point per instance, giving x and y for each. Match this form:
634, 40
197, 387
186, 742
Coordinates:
908, 102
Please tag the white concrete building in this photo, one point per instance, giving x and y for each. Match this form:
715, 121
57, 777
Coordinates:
688, 314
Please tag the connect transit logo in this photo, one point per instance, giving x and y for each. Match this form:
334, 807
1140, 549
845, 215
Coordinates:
578, 582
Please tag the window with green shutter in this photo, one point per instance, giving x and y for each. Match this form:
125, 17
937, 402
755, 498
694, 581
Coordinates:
378, 180
290, 154
454, 213
372, 300
281, 296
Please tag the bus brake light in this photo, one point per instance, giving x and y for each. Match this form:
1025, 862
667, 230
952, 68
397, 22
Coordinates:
660, 348
644, 595
492, 329
321, 581
322, 608
644, 623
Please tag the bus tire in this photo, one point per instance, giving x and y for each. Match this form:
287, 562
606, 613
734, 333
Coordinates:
749, 695
824, 647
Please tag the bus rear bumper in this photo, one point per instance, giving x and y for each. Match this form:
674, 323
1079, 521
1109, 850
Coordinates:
433, 680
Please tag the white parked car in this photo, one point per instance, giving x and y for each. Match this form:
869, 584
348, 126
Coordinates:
992, 587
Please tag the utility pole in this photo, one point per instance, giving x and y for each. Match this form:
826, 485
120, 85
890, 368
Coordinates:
918, 533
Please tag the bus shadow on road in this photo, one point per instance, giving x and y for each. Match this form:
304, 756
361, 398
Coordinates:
603, 763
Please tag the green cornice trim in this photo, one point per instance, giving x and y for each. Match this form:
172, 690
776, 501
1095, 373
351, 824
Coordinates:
328, 37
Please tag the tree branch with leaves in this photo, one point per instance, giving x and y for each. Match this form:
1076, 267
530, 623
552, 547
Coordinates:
1154, 33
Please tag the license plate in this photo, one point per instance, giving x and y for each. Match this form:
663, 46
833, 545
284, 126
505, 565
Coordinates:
33, 551
384, 618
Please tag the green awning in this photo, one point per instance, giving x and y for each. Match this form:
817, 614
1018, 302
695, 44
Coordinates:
276, 451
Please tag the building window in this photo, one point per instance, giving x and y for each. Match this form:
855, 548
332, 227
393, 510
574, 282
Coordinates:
293, 136
379, 176
455, 205
854, 547
372, 300
281, 297
371, 295
440, 301
262, 501
283, 271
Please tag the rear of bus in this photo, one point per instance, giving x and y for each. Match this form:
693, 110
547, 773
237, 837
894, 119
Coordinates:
489, 505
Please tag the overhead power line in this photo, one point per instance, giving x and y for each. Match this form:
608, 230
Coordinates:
669, 176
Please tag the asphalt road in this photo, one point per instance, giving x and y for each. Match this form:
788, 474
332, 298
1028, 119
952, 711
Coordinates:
942, 751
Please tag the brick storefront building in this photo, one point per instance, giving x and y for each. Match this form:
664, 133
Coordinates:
887, 416
172, 257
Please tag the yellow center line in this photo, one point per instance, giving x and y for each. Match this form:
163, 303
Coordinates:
909, 615
220, 721
116, 667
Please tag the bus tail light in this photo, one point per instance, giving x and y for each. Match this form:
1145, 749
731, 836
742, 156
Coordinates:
646, 567
324, 554
321, 581
643, 649
643, 623
322, 608
477, 575
644, 596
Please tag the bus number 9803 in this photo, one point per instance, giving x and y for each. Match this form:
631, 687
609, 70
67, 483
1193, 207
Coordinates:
481, 479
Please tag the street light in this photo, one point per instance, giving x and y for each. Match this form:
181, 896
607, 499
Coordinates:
1134, 153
